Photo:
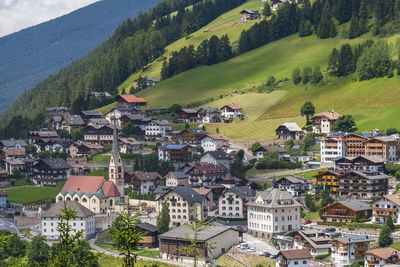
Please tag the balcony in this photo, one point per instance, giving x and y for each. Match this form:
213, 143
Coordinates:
384, 209
324, 216
372, 262
394, 217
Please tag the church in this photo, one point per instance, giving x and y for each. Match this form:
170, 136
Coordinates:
94, 192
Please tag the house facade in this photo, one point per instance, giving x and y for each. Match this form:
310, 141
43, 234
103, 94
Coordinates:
205, 174
177, 178
184, 205
382, 257
232, 204
231, 111
271, 212
294, 185
214, 240
289, 131
323, 122
293, 258
384, 206
213, 142
331, 148
347, 250
315, 241
142, 182
3, 199
84, 220
157, 129
346, 210
217, 158
174, 153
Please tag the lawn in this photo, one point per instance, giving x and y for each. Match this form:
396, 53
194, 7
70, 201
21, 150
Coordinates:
25, 195
309, 174
228, 23
99, 173
226, 261
108, 261
395, 245
311, 216
100, 158
21, 181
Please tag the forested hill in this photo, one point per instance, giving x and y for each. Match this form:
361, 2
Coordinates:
31, 55
133, 45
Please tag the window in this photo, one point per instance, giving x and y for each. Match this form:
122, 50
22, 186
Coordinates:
84, 200
295, 263
304, 262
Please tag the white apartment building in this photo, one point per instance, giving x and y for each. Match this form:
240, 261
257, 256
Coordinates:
185, 204
271, 212
178, 178
84, 221
332, 147
347, 250
382, 257
323, 122
293, 258
231, 204
384, 206
213, 142
157, 129
217, 158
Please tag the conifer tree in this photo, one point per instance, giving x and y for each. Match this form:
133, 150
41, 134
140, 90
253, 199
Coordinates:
267, 10
163, 219
385, 239
363, 15
390, 223
326, 28
345, 60
307, 72
316, 75
333, 62
343, 10
354, 30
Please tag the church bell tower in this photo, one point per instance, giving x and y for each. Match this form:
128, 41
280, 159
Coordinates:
116, 167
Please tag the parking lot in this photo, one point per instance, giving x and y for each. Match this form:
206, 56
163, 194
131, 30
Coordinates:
259, 245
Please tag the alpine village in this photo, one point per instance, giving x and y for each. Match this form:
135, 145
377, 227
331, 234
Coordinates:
230, 133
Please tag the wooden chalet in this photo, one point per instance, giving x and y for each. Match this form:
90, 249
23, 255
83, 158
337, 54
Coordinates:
150, 235
359, 163
188, 136
55, 169
327, 180
289, 130
188, 115
249, 15
98, 135
130, 101
346, 210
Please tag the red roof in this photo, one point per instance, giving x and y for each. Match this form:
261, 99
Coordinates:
14, 152
233, 106
296, 254
110, 190
132, 99
84, 184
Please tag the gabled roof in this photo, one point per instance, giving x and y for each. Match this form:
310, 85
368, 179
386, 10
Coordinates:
55, 210
202, 191
295, 180
182, 232
13, 142
330, 115
275, 198
218, 155
233, 106
189, 110
393, 198
14, 152
187, 193
145, 176
132, 99
56, 164
74, 120
151, 228
91, 113
353, 239
173, 147
291, 126
85, 184
383, 253
249, 11
371, 175
351, 204
179, 174
296, 254
110, 190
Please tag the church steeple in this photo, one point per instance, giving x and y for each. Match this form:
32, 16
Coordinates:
116, 167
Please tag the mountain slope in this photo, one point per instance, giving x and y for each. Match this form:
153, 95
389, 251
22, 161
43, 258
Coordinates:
29, 56
373, 103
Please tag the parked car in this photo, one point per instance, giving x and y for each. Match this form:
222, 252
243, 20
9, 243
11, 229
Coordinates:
250, 250
264, 254
330, 229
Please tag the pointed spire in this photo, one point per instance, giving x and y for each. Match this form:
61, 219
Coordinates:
115, 150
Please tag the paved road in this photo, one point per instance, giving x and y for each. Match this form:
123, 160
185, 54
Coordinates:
99, 249
259, 244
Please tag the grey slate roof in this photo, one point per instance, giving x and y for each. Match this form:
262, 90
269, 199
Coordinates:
91, 113
292, 126
295, 180
219, 155
55, 210
13, 142
182, 232
74, 120
354, 204
57, 163
372, 175
353, 239
275, 198
187, 193
180, 175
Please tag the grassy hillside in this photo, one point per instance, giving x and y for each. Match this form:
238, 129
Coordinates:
228, 23
373, 103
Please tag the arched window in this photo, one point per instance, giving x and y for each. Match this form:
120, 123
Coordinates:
237, 202
60, 198
173, 217
84, 200
76, 199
